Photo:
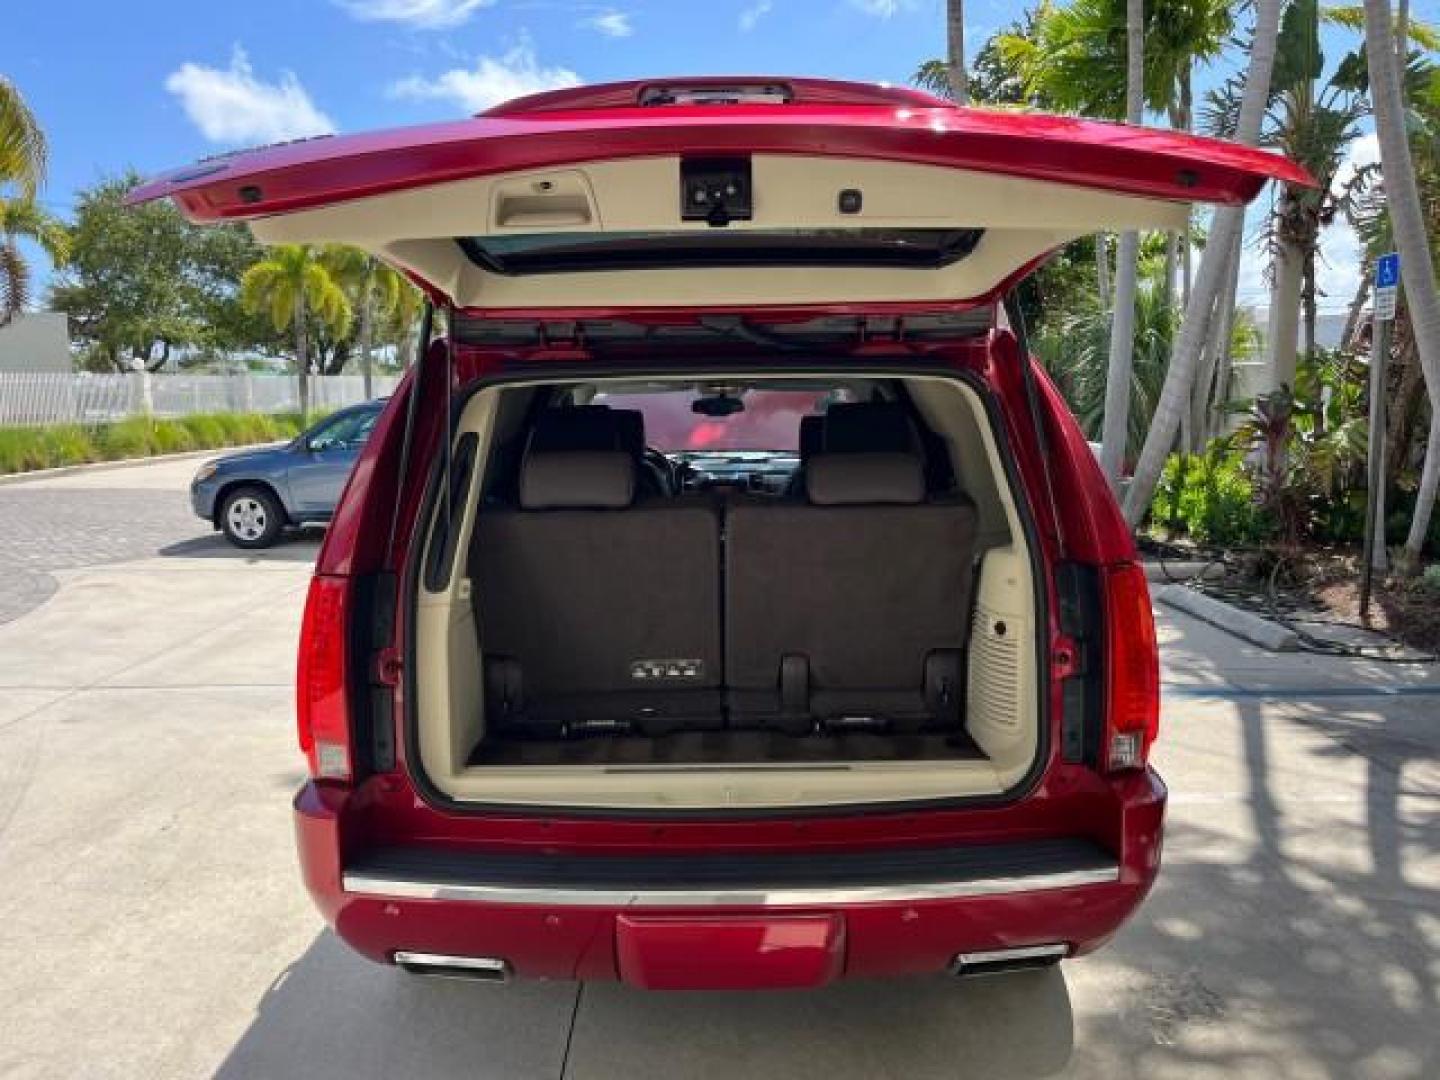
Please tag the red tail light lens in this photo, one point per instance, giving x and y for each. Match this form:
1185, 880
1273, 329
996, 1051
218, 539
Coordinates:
1132, 656
321, 702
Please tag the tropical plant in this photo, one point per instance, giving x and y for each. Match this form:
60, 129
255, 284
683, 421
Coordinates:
1075, 351
1215, 265
1314, 123
1408, 220
292, 284
374, 290
1114, 58
22, 172
25, 219
22, 144
1210, 497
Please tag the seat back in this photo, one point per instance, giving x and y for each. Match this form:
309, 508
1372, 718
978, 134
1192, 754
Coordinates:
859, 590
590, 604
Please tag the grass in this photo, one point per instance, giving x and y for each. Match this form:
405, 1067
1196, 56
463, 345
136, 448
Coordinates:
23, 449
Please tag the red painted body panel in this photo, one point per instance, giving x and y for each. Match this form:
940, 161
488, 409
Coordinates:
882, 939
729, 952
1116, 157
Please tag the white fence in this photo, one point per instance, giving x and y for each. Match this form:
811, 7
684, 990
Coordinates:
51, 398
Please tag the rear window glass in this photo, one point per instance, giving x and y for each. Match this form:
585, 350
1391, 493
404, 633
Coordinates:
770, 420
549, 253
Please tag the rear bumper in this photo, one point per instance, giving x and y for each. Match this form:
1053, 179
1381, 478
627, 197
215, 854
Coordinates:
884, 914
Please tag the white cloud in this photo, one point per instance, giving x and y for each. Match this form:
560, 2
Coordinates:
230, 105
882, 9
1337, 274
491, 81
422, 14
753, 14
615, 24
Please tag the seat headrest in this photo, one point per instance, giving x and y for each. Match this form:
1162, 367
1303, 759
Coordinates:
856, 479
588, 427
868, 427
577, 480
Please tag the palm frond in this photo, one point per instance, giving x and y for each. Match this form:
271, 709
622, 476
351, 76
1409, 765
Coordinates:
23, 151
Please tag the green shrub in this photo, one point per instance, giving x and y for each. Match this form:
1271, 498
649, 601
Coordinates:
130, 438
172, 438
24, 449
206, 430
66, 444
1211, 497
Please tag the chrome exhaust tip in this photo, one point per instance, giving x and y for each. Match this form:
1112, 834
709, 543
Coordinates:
438, 966
994, 961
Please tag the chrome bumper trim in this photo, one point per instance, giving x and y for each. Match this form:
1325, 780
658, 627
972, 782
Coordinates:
359, 884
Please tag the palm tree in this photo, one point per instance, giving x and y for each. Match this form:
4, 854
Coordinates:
1314, 125
22, 143
25, 219
22, 172
1417, 270
374, 291
1214, 267
291, 284
1116, 426
1114, 58
1074, 351
955, 51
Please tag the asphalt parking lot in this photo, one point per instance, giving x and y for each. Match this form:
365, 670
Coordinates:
152, 923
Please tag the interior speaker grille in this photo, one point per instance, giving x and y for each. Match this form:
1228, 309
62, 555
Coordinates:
995, 671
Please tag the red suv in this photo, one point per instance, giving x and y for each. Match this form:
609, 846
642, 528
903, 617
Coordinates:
726, 599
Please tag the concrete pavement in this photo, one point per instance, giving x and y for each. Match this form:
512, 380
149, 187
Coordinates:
152, 922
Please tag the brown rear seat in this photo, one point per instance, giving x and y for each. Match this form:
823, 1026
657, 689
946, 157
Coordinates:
851, 609
597, 612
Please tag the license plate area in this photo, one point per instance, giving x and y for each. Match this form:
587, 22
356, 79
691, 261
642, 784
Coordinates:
729, 952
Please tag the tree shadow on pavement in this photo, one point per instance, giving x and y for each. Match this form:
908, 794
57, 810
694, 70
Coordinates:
1292, 931
334, 1014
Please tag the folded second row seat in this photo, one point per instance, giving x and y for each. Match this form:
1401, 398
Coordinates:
601, 611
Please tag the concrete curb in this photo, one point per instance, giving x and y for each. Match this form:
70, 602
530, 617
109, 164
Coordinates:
127, 463
1175, 571
1243, 624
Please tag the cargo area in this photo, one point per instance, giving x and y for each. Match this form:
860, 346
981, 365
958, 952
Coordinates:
726, 590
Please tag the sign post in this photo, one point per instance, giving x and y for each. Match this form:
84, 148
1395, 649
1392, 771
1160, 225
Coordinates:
1387, 286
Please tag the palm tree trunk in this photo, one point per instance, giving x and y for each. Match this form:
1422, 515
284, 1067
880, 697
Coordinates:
1116, 425
955, 51
302, 361
1225, 231
1102, 268
1402, 197
1282, 337
366, 330
1224, 341
1308, 313
1172, 266
1187, 117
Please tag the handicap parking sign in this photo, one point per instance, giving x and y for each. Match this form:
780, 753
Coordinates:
1387, 271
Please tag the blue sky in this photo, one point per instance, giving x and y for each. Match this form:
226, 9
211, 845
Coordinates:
159, 83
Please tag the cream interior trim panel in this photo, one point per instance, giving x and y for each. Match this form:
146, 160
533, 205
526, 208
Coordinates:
450, 701
416, 229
